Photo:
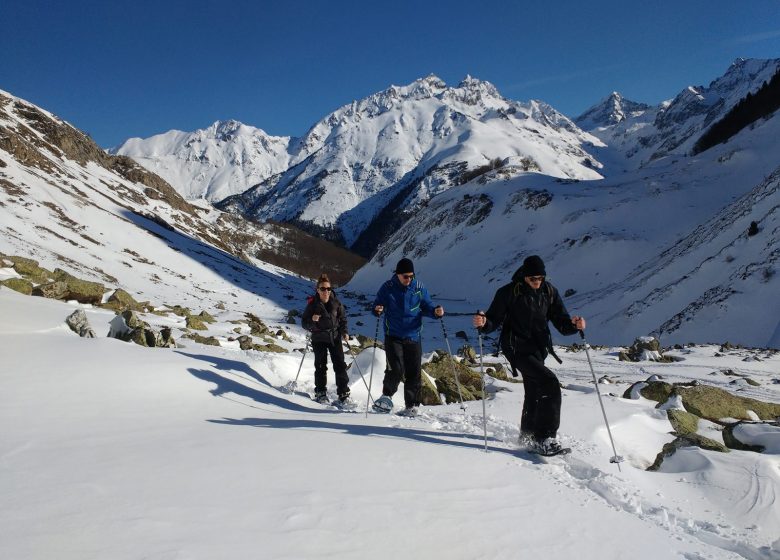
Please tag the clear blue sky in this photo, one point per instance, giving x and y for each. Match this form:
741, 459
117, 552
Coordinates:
122, 69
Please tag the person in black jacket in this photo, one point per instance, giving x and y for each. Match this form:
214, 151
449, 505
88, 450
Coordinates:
523, 309
325, 317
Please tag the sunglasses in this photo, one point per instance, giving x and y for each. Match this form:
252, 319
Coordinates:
325, 289
407, 276
536, 278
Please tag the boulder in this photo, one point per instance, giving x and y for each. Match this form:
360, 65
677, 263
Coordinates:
644, 348
18, 285
196, 323
82, 291
30, 270
683, 422
687, 440
429, 393
256, 326
733, 442
245, 342
658, 391
715, 404
270, 347
52, 290
441, 369
206, 317
181, 311
79, 324
210, 341
120, 300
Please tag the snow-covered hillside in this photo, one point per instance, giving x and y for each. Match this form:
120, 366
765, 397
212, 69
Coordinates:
663, 249
68, 205
111, 450
213, 163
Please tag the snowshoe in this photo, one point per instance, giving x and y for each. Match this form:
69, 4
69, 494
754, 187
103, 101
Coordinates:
383, 405
548, 448
321, 397
344, 402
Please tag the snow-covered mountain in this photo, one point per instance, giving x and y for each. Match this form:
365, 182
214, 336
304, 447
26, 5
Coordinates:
611, 111
212, 163
359, 172
642, 134
663, 249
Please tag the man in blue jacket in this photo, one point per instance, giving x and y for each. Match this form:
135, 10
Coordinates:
404, 301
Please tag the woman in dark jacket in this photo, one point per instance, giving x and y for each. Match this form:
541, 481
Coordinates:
523, 308
324, 316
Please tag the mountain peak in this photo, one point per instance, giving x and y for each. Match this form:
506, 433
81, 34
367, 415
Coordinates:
609, 111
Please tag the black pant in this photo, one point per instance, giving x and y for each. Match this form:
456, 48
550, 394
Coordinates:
403, 357
542, 405
321, 350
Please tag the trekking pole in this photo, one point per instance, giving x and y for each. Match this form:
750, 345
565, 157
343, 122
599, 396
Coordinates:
484, 396
617, 459
357, 365
293, 384
373, 359
452, 363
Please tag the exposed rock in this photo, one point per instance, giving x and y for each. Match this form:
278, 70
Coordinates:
429, 394
206, 317
683, 422
52, 290
256, 326
715, 404
283, 335
658, 391
79, 324
210, 341
245, 342
18, 285
441, 368
468, 353
30, 270
644, 348
271, 347
367, 342
120, 300
732, 442
181, 311
196, 323
688, 440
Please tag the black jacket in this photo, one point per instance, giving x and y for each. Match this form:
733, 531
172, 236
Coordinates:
332, 325
523, 314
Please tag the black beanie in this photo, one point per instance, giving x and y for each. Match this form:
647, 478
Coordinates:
404, 266
533, 266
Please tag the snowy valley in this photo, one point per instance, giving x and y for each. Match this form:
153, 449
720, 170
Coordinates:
114, 449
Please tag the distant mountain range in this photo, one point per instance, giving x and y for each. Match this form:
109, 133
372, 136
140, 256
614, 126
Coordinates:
640, 235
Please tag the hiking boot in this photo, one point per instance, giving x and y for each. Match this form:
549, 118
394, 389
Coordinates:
526, 439
321, 397
548, 447
383, 404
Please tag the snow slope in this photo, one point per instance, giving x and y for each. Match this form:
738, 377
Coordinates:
114, 450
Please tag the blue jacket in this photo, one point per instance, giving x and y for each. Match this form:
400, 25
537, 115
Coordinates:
404, 307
